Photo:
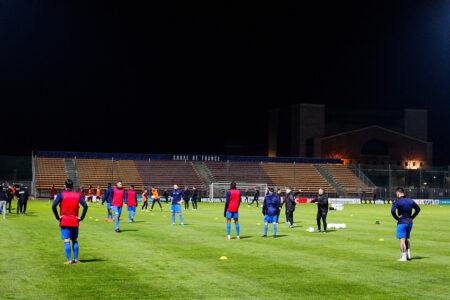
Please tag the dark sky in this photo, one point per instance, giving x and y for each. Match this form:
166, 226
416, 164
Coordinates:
159, 76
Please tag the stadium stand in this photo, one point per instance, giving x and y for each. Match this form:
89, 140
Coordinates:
298, 176
347, 180
163, 174
50, 171
250, 172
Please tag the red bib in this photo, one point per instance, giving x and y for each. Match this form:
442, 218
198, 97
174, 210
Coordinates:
131, 198
233, 204
118, 197
70, 206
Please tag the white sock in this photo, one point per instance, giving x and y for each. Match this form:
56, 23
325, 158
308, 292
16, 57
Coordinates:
409, 252
403, 255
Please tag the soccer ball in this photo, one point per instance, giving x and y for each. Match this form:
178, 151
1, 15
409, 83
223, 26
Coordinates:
311, 229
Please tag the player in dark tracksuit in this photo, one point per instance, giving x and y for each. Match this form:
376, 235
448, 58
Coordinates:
322, 210
108, 198
22, 195
290, 203
194, 198
405, 217
187, 194
255, 199
270, 211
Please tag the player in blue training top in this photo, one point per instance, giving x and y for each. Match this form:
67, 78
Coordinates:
270, 209
232, 209
405, 218
108, 198
177, 198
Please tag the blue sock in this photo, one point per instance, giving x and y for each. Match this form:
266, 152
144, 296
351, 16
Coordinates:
228, 228
117, 223
275, 226
107, 216
181, 218
265, 229
134, 213
173, 218
237, 228
68, 251
75, 250
129, 215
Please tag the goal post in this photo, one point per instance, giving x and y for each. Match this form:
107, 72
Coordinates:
218, 190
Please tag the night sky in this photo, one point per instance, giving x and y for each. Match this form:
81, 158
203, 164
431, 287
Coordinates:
184, 77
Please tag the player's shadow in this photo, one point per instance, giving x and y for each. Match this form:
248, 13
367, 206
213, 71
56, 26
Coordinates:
125, 230
138, 221
419, 257
91, 260
281, 235
246, 237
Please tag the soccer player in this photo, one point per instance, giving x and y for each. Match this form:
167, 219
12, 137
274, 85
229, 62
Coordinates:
187, 194
52, 192
108, 198
232, 209
83, 193
131, 203
255, 198
3, 199
194, 198
117, 203
404, 207
69, 221
99, 194
177, 198
90, 194
322, 209
10, 193
270, 210
145, 200
155, 196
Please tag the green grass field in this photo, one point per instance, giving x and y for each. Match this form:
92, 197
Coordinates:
152, 259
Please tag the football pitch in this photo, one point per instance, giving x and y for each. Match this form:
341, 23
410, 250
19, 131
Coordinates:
152, 259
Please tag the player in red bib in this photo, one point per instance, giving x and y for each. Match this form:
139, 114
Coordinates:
232, 208
69, 202
131, 197
117, 203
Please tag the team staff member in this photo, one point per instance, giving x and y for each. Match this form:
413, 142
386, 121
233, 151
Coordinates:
3, 199
108, 198
194, 198
117, 203
290, 206
69, 202
131, 198
322, 210
405, 218
166, 196
232, 209
23, 199
155, 197
177, 198
187, 194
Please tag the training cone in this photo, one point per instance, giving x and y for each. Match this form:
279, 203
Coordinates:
381, 240
90, 217
223, 257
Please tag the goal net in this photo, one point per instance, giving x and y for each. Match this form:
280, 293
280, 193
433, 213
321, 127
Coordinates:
218, 190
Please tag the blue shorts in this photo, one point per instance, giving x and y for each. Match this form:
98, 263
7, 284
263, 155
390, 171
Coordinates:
117, 210
176, 208
131, 208
232, 215
270, 219
403, 231
69, 232
108, 205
